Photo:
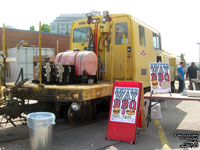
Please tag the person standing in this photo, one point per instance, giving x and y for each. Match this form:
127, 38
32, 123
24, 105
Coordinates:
192, 74
180, 72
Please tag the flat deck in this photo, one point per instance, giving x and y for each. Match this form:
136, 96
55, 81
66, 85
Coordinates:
63, 93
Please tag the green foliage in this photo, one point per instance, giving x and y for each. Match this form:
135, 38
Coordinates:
67, 33
32, 28
46, 28
182, 57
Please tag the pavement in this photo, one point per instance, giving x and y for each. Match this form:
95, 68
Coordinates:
180, 119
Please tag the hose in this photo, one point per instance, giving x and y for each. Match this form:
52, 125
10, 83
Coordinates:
20, 74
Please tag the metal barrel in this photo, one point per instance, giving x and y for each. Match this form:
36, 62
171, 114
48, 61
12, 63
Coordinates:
41, 138
41, 130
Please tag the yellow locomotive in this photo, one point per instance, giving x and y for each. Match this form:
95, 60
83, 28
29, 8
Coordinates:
123, 44
103, 49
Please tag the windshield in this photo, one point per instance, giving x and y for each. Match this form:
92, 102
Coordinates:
81, 35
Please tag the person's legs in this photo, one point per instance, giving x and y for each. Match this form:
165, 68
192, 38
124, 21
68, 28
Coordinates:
180, 87
191, 85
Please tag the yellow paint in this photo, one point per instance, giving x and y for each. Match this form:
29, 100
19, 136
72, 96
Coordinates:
4, 53
2, 97
112, 57
125, 57
40, 52
77, 92
76, 96
57, 50
162, 136
120, 63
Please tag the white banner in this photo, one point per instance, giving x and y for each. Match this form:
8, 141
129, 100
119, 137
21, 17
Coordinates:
124, 104
160, 77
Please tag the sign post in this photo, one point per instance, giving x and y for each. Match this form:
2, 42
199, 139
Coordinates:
124, 111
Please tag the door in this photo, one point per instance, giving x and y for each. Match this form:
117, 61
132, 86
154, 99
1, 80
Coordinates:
122, 48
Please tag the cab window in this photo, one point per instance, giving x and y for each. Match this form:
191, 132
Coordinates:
156, 41
142, 36
80, 35
120, 30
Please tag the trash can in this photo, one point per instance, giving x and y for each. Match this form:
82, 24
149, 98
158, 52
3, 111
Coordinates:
41, 130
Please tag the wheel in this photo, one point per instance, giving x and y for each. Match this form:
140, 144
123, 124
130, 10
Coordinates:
75, 117
72, 116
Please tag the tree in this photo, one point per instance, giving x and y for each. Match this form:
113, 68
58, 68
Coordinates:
67, 33
32, 28
46, 28
182, 57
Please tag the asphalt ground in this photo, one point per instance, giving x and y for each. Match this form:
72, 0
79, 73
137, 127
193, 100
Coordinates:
180, 119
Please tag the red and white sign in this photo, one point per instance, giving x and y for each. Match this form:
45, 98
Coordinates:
124, 111
160, 77
124, 104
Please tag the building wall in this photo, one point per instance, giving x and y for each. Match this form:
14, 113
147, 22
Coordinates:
62, 24
49, 40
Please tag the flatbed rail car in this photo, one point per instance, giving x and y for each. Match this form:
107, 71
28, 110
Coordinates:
74, 103
63, 93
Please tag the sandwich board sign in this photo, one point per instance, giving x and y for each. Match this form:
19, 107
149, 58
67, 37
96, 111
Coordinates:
124, 111
160, 77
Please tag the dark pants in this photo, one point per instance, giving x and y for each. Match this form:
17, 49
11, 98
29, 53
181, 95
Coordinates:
181, 85
191, 85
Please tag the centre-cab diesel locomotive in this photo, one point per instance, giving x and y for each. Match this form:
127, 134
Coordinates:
103, 49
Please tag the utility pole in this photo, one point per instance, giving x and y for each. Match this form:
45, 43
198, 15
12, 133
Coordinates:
199, 54
40, 51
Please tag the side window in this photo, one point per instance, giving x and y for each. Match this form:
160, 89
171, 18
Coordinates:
142, 36
120, 30
80, 35
156, 41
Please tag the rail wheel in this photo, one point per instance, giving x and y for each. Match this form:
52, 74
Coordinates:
72, 116
75, 117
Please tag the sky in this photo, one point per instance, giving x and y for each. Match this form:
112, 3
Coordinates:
178, 21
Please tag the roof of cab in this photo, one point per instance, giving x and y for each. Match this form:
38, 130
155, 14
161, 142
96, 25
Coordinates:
122, 15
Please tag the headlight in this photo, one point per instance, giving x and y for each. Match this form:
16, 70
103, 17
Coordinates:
105, 13
89, 15
75, 106
94, 21
104, 20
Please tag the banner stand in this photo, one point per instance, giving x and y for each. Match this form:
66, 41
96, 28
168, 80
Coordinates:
160, 77
124, 111
142, 110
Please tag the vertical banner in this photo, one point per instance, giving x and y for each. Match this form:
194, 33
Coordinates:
124, 111
160, 77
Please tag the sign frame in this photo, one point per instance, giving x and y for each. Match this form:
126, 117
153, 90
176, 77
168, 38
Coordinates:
124, 130
160, 79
